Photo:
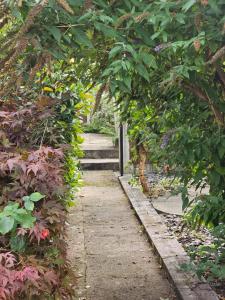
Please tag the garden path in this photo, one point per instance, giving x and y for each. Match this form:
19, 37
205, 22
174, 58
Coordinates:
107, 248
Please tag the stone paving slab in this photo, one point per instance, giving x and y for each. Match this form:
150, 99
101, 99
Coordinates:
169, 204
172, 204
127, 288
108, 248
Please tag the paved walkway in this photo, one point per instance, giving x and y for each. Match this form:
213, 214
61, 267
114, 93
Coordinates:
107, 248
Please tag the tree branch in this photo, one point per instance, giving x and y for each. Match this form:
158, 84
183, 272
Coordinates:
219, 116
219, 54
99, 97
196, 91
221, 74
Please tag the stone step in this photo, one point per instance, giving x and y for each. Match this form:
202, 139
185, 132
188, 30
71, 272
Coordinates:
100, 164
101, 153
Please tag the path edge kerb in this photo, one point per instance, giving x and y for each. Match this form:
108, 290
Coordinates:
170, 252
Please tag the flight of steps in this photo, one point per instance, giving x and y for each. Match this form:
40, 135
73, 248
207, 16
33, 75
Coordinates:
100, 154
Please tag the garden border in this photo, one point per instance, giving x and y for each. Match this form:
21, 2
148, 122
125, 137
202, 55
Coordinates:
171, 254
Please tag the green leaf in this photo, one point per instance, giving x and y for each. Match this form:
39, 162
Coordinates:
142, 71
132, 51
180, 18
107, 31
185, 202
26, 220
127, 81
149, 59
214, 178
55, 32
36, 197
26, 198
18, 243
220, 170
114, 51
29, 205
188, 5
57, 53
81, 38
6, 224
221, 151
11, 208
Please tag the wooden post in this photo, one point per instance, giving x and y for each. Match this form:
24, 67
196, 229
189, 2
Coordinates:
124, 148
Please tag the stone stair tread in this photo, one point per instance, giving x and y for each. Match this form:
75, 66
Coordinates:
97, 148
99, 160
101, 154
100, 164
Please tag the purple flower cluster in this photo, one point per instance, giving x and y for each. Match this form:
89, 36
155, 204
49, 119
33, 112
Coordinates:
160, 47
165, 139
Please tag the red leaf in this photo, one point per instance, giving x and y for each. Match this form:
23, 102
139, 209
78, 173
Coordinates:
7, 260
51, 278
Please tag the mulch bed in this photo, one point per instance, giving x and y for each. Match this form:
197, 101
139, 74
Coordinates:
189, 238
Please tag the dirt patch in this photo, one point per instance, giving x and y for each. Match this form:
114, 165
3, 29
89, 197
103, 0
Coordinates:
191, 240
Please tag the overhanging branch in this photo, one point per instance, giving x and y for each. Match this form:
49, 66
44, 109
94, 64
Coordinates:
197, 91
219, 54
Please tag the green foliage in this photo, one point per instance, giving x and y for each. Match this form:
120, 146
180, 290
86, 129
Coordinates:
13, 215
164, 64
30, 200
163, 61
18, 243
210, 259
98, 125
103, 121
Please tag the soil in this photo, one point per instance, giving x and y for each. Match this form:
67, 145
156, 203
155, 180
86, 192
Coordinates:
189, 238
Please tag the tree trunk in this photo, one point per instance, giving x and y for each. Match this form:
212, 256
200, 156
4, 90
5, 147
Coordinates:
142, 163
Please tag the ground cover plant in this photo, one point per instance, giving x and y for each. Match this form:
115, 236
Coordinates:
163, 62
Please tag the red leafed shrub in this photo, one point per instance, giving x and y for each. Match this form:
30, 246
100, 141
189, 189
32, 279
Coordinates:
33, 261
27, 126
15, 281
40, 170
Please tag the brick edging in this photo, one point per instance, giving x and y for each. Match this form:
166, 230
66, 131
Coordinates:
171, 254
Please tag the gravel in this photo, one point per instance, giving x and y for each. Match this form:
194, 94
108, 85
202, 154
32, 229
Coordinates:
161, 184
192, 239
